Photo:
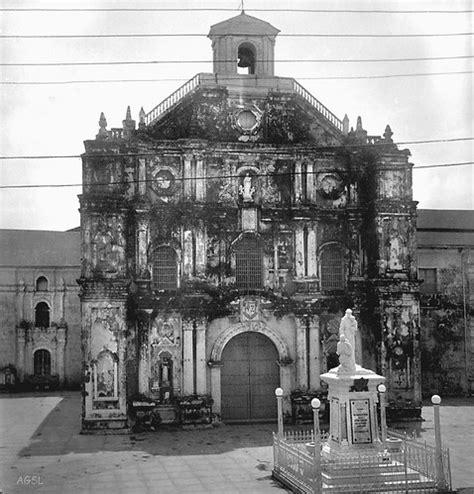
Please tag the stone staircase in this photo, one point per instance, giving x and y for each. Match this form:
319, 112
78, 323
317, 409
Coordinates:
367, 476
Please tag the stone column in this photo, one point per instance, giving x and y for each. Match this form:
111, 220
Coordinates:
312, 254
298, 188
60, 350
142, 176
200, 180
188, 253
143, 361
20, 299
188, 355
216, 386
301, 354
201, 257
187, 182
201, 385
285, 384
314, 354
310, 189
299, 247
142, 246
20, 352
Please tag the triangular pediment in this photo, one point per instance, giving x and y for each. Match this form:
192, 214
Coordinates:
243, 24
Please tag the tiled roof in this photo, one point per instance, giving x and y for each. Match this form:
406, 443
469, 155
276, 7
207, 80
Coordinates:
39, 248
243, 24
446, 219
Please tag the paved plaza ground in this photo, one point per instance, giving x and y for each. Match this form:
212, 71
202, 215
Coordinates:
41, 450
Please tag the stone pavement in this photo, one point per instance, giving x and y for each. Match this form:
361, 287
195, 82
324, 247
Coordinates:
225, 459
41, 450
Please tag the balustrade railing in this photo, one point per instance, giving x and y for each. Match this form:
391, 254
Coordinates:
172, 99
327, 114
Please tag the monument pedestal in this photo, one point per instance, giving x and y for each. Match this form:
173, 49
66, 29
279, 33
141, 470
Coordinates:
353, 422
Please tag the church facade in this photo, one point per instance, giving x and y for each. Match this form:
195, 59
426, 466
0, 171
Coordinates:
224, 237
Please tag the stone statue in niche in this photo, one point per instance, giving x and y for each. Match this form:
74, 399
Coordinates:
246, 189
345, 352
130, 181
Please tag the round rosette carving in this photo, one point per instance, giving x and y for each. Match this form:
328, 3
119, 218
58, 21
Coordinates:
164, 183
247, 120
330, 186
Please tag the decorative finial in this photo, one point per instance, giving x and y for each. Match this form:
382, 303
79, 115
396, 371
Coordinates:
141, 118
388, 134
345, 125
128, 124
102, 127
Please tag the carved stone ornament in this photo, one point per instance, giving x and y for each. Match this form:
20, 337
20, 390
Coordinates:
247, 121
330, 186
164, 183
250, 309
162, 332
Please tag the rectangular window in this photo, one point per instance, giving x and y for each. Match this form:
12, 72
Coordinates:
249, 263
428, 276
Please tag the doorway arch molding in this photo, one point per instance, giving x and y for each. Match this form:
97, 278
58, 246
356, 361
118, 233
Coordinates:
243, 327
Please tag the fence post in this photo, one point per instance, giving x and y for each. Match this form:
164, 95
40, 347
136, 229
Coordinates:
383, 419
318, 486
440, 478
279, 397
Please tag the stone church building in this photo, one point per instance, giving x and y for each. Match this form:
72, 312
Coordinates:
225, 235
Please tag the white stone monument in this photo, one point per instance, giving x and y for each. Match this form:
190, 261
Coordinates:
353, 398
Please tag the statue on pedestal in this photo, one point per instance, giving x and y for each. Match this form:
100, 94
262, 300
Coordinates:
348, 328
346, 356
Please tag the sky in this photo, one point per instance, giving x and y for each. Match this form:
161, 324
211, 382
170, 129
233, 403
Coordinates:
55, 119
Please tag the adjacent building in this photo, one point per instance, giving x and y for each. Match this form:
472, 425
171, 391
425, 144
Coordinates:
446, 267
39, 307
225, 235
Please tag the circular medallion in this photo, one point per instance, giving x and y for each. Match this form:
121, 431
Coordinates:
331, 186
164, 181
247, 120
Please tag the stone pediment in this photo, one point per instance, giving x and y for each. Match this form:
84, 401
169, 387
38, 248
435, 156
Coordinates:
243, 24
216, 113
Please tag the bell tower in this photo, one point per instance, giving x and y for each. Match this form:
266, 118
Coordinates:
243, 45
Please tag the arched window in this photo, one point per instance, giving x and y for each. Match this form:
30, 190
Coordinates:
332, 268
42, 363
246, 59
42, 315
165, 269
41, 284
249, 262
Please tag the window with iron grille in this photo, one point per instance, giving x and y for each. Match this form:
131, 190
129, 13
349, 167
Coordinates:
165, 269
332, 268
42, 315
428, 276
249, 263
42, 363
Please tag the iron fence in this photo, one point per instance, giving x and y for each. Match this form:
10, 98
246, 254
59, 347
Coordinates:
410, 467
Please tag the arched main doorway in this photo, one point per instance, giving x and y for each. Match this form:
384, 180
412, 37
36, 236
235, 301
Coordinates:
249, 377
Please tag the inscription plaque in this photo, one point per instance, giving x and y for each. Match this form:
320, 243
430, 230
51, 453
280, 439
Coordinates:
360, 420
334, 419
